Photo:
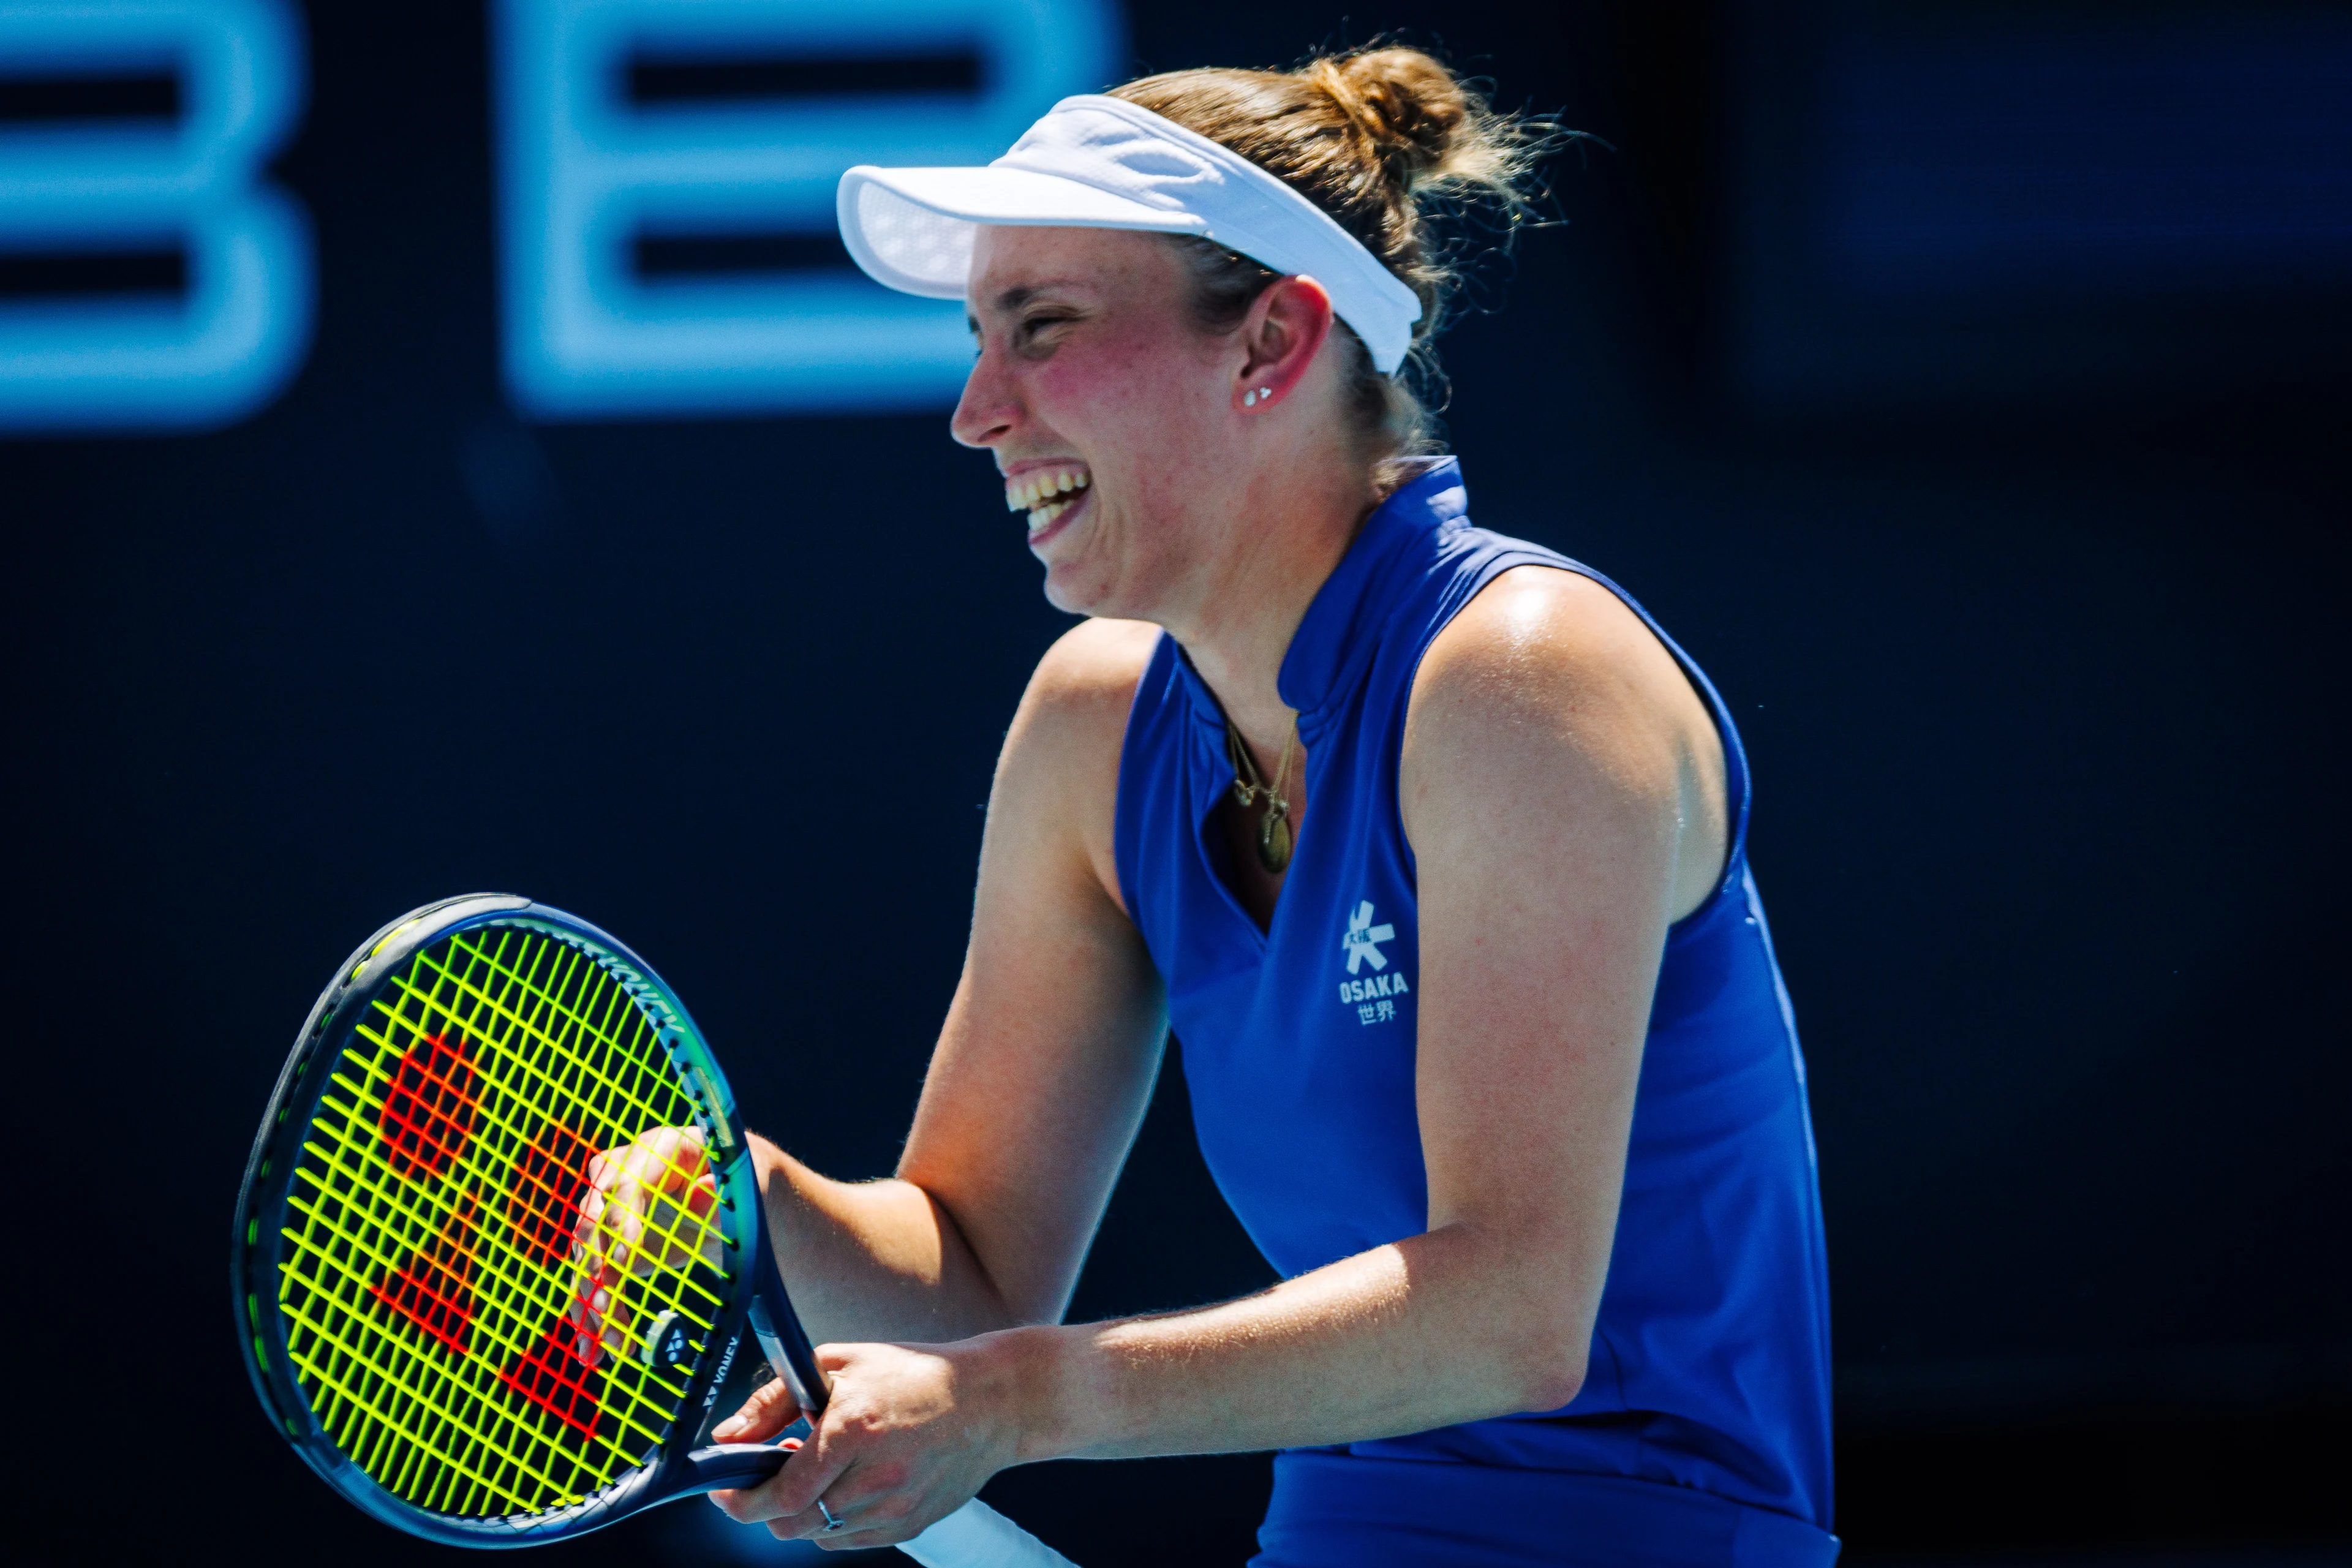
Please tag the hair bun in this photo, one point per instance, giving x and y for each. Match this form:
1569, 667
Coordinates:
1384, 139
1412, 111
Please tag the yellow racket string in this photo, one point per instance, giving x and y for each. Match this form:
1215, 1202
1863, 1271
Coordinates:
680, 1172
507, 1277
380, 1174
425, 1290
498, 1266
636, 1102
684, 1175
674, 1233
387, 1262
414, 1344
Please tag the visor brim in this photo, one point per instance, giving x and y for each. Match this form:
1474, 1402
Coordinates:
912, 230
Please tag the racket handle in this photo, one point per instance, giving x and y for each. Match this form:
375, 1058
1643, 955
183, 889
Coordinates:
724, 1465
977, 1536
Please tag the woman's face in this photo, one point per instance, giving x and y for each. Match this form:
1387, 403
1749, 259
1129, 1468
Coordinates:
1110, 412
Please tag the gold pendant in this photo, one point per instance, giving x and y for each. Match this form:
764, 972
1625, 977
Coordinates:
1274, 841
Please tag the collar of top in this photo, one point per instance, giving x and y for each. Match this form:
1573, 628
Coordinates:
1103, 163
1341, 632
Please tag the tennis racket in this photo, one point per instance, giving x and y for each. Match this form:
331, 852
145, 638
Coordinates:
405, 1268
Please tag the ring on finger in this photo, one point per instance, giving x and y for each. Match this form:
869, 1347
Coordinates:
831, 1523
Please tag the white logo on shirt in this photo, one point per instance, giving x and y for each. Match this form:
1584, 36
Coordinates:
1371, 997
1363, 939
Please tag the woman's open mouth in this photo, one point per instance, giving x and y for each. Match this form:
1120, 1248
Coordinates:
1047, 493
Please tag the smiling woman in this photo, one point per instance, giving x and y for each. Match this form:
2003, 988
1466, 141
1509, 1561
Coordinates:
1487, 1045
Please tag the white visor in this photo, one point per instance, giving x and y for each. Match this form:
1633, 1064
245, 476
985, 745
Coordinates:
1103, 163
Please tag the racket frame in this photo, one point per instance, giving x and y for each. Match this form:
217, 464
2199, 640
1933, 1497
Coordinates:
771, 1327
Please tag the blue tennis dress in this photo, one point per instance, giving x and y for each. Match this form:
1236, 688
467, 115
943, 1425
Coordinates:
1702, 1433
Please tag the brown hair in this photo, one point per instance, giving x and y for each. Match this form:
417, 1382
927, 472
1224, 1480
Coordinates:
1376, 137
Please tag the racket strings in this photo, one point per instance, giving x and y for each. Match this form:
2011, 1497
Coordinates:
549, 998
397, 1402
544, 1244
552, 1237
552, 1228
436, 1289
453, 1249
549, 1216
654, 1116
382, 1261
428, 1114
430, 1267
569, 1406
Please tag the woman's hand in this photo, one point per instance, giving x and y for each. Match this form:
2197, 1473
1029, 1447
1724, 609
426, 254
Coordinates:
908, 1434
647, 1208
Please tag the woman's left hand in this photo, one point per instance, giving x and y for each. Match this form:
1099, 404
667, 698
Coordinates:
909, 1435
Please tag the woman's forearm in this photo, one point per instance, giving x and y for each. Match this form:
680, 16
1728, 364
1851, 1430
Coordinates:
873, 1261
1442, 1328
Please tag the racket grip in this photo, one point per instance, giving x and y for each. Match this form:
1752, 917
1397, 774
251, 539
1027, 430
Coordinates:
724, 1465
977, 1536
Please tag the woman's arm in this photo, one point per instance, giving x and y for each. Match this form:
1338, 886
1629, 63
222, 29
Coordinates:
1041, 1072
1562, 788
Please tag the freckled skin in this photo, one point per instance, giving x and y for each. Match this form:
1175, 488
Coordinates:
1087, 351
1562, 789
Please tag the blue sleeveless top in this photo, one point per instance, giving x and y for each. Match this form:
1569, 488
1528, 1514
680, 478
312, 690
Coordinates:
1702, 1432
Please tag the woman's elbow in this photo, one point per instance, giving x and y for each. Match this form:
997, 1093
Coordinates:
1548, 1383
1545, 1366
1536, 1328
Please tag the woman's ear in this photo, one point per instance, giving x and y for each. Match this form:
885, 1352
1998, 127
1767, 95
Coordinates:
1286, 328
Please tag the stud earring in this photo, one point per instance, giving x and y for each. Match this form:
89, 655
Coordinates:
1249, 400
1252, 399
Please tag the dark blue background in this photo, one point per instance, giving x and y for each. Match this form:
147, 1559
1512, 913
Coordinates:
2023, 579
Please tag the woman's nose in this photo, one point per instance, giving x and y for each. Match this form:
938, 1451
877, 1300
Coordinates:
987, 411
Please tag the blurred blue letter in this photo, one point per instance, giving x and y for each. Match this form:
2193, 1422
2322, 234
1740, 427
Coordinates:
719, 128
82, 188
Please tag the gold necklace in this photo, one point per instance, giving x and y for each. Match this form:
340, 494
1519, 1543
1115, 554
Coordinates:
1250, 788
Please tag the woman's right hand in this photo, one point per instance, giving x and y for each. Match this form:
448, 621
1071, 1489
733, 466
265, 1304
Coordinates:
647, 1208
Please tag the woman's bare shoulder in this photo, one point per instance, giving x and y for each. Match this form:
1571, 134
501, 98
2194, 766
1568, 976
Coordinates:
1549, 684
1058, 781
1074, 714
1094, 663
1541, 632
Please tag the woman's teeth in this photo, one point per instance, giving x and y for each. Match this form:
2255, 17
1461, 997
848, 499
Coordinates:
1040, 493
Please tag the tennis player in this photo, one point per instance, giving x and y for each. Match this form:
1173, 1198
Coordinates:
1425, 842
